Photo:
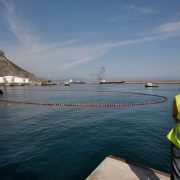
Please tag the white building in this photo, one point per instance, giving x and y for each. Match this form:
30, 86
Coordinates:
14, 80
9, 79
2, 80
26, 80
19, 80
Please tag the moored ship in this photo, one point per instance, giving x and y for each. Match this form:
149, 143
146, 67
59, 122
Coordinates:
78, 82
111, 82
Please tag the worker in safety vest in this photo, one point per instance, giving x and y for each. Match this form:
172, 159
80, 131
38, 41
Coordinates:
174, 137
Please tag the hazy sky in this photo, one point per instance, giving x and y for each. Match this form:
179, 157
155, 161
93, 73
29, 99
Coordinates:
131, 39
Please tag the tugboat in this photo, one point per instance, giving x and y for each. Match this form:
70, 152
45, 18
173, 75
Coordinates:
1, 92
103, 81
150, 85
66, 83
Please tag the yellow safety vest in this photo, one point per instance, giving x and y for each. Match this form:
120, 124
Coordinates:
177, 98
174, 134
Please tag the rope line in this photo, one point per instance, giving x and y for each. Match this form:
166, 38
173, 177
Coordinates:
89, 104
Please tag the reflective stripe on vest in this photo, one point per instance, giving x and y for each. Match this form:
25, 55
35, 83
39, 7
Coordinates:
174, 135
177, 98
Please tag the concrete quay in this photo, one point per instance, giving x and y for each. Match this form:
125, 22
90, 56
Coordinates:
114, 168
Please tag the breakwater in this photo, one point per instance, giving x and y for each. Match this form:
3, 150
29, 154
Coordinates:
153, 81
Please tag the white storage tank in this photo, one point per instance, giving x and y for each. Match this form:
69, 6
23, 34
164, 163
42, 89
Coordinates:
19, 80
26, 80
9, 79
2, 80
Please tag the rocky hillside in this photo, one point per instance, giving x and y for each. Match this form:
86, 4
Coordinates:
9, 68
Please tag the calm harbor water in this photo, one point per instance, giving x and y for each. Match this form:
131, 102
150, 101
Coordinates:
38, 142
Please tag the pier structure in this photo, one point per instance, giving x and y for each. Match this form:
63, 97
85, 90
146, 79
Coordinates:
115, 168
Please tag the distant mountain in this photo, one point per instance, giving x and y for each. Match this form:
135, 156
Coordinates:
9, 68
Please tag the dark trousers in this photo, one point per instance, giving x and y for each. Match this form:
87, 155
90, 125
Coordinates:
175, 162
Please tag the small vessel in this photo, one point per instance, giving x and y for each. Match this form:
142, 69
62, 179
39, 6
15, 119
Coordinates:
150, 85
103, 81
1, 92
67, 83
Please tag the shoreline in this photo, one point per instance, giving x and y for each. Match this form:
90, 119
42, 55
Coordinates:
170, 82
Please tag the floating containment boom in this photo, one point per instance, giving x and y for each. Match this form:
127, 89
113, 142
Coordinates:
160, 100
